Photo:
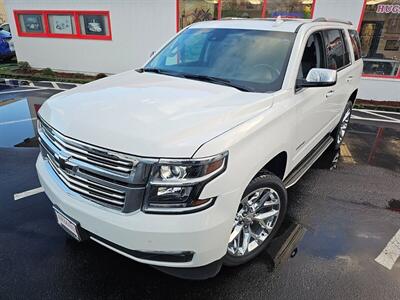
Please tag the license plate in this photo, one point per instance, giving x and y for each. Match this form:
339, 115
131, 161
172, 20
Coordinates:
68, 225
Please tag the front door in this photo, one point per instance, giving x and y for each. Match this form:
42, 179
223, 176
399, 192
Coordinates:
311, 110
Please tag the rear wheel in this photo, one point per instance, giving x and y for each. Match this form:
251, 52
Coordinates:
341, 129
259, 216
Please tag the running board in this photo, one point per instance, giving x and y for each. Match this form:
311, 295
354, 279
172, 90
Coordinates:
307, 162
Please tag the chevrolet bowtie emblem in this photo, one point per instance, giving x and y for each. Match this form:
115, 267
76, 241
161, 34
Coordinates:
62, 160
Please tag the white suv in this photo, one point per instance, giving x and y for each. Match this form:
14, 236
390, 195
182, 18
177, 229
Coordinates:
184, 163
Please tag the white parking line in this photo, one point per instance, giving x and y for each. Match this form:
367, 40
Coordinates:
28, 193
380, 115
391, 253
375, 120
377, 111
17, 121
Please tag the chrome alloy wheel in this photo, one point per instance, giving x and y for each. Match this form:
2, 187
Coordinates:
254, 221
343, 126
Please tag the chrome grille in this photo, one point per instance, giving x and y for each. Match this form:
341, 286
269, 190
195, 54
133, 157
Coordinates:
103, 176
89, 154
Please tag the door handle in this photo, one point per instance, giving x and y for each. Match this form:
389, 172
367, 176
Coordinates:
349, 78
330, 93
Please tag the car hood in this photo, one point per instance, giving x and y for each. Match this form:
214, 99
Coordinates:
149, 114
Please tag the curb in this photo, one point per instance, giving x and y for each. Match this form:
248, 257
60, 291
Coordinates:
39, 84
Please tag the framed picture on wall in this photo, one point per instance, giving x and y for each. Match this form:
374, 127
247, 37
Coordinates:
392, 45
32, 23
67, 24
94, 24
61, 24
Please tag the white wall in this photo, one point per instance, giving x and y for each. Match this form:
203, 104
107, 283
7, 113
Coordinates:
138, 27
379, 89
346, 10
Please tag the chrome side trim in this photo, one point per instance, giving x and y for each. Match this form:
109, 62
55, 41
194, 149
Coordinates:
303, 167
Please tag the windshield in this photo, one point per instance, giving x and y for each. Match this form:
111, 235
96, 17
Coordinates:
252, 60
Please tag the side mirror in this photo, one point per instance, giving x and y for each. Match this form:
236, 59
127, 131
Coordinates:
318, 77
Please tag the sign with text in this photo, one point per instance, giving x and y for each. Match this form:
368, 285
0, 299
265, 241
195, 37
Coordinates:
388, 9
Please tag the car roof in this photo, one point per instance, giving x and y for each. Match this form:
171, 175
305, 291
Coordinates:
270, 24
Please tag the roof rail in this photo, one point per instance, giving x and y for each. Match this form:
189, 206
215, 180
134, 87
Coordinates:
262, 19
332, 20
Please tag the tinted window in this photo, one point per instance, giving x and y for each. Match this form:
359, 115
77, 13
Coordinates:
253, 59
6, 27
335, 49
355, 42
313, 56
346, 49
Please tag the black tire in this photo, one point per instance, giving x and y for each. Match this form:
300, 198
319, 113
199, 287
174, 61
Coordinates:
336, 132
266, 180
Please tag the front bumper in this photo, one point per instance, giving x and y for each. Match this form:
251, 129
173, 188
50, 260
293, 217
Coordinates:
205, 234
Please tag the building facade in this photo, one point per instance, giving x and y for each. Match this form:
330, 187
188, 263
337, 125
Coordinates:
112, 36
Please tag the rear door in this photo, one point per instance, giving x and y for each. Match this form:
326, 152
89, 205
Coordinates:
357, 67
338, 58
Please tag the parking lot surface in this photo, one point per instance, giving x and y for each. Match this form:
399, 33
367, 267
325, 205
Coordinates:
339, 221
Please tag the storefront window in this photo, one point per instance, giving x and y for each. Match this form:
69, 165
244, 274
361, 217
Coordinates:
242, 8
380, 38
289, 8
191, 11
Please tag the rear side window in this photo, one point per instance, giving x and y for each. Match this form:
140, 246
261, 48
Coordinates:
355, 42
346, 48
336, 55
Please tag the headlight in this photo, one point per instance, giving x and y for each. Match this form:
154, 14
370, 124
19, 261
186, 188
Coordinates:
175, 185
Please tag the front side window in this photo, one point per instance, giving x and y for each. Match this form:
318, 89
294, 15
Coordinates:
254, 60
313, 56
335, 49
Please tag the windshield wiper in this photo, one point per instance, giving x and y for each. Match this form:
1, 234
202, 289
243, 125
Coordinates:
158, 71
205, 78
217, 80
151, 70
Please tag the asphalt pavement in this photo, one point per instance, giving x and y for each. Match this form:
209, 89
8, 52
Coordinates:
340, 219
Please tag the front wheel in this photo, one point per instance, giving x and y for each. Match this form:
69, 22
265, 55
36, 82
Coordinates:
259, 216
